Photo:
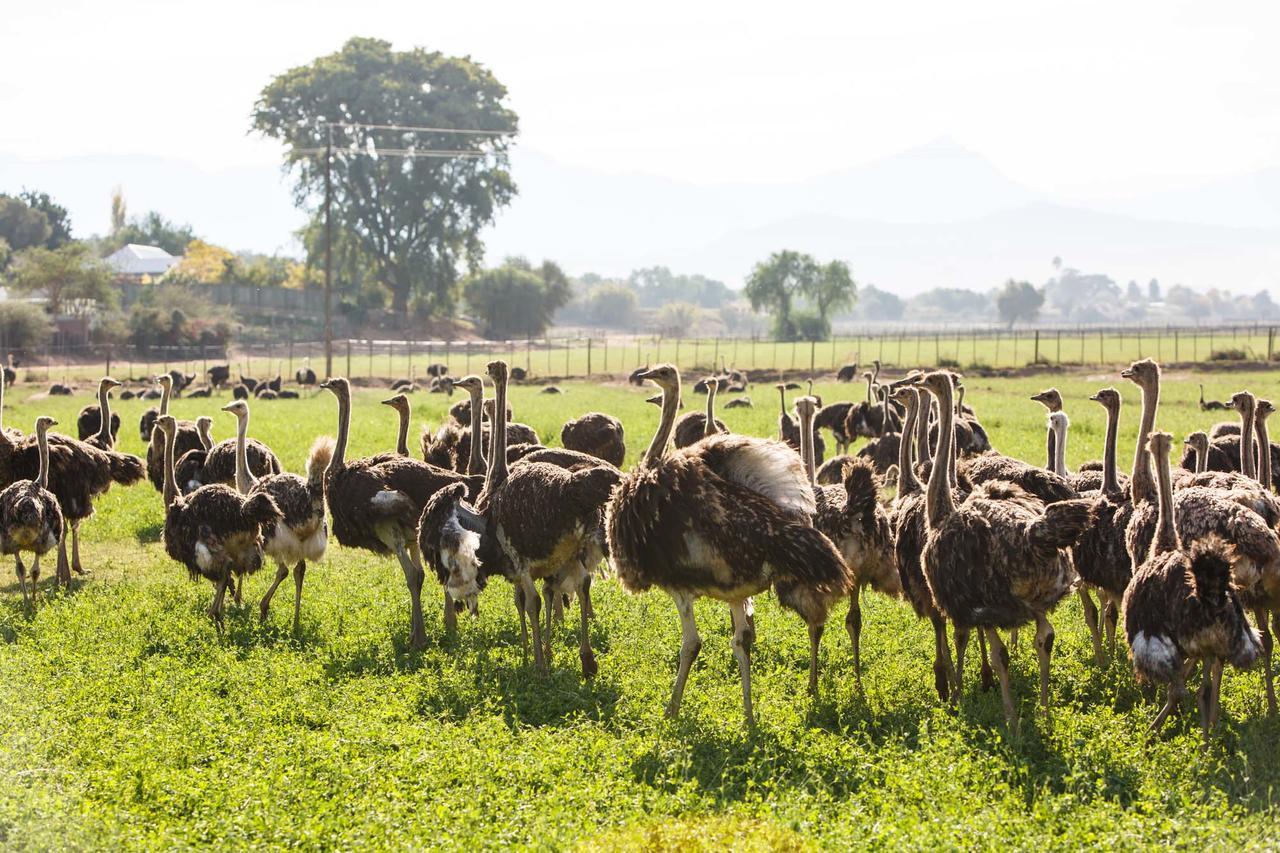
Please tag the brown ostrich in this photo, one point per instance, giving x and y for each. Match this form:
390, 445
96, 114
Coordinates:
1211, 405
450, 445
882, 451
739, 403
597, 434
789, 430
833, 417
400, 402
850, 516
214, 531
998, 559
89, 421
1225, 452
187, 436
30, 518
727, 518
217, 462
692, 427
375, 504
1180, 607
305, 375
301, 533
1051, 399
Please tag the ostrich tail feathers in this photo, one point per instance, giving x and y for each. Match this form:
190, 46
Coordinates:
318, 460
1063, 524
126, 469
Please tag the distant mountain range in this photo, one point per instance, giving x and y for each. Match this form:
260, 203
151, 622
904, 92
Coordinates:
938, 215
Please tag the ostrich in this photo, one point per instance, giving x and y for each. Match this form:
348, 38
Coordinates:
833, 417
692, 426
548, 522
1211, 405
404, 384
882, 451
597, 434
847, 373
789, 430
460, 412
636, 376
249, 382
866, 419
276, 384
998, 559
305, 375
400, 403
1051, 400
240, 392
89, 421
187, 437
219, 375
30, 518
971, 438
218, 462
301, 533
739, 403
1180, 606
1225, 453
375, 504
850, 516
727, 518
214, 531
10, 371
106, 423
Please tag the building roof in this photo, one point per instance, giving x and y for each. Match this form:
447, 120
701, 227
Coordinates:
135, 259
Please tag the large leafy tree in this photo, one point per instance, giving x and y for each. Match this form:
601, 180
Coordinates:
787, 277
69, 277
21, 225
55, 214
1018, 301
517, 299
415, 217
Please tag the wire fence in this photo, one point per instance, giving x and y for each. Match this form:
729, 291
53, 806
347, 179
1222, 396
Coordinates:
605, 356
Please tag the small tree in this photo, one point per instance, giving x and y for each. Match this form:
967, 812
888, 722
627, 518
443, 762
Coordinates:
675, 319
23, 325
55, 214
612, 304
22, 226
1018, 301
515, 299
202, 263
68, 277
777, 283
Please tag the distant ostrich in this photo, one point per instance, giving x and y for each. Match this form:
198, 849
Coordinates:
305, 375
1211, 405
58, 389
847, 373
789, 429
214, 531
728, 518
1225, 453
739, 403
249, 382
219, 375
882, 451
552, 389
89, 421
1180, 606
90, 424
202, 391
375, 504
598, 434
187, 438
241, 392
833, 417
400, 403
437, 370
301, 533
850, 516
10, 371
30, 518
404, 384
287, 394
692, 426
636, 376
998, 559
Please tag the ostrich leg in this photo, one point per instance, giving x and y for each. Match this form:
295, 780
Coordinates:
1206, 698
1000, 661
815, 643
22, 579
585, 654
413, 577
1044, 651
264, 607
533, 604
853, 624
1112, 616
299, 573
62, 573
1260, 615
962, 644
1177, 689
690, 645
524, 625
75, 549
988, 679
744, 637
1091, 620
219, 595
550, 597
943, 673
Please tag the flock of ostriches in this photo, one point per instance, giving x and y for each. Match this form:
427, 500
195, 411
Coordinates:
971, 537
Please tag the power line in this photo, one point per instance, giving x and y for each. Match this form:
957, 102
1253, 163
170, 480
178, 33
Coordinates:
357, 125
394, 152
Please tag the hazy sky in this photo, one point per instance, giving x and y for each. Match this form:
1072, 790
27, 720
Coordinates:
1076, 98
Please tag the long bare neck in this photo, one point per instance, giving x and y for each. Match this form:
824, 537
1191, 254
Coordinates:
170, 477
1248, 462
206, 437
869, 382
166, 389
104, 415
1264, 453
1166, 538
1110, 480
1050, 447
806, 441
658, 447
1202, 463
782, 409
923, 409
1, 402
1141, 485
938, 501
402, 433
339, 459
475, 460
497, 473
710, 427
244, 479
884, 411
908, 483
42, 437
1060, 449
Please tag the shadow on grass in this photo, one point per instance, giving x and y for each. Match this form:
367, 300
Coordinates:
149, 534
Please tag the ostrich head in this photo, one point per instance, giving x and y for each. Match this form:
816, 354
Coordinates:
1145, 374
399, 402
1050, 399
665, 376
44, 422
338, 385
497, 371
470, 383
167, 424
239, 408
1160, 443
166, 381
1108, 397
1197, 441
1244, 402
108, 383
1263, 410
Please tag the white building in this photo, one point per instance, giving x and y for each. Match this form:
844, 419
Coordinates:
140, 264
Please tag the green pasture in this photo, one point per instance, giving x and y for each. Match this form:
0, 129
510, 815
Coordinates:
127, 722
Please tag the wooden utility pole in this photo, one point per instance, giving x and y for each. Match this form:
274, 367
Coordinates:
328, 254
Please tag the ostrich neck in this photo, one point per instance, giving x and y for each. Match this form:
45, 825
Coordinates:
908, 484
1, 402
206, 437
42, 438
1264, 452
710, 427
1166, 538
1202, 462
806, 441
402, 434
884, 412
497, 473
339, 459
170, 477
1060, 450
1248, 462
923, 409
657, 447
244, 479
938, 501
166, 388
475, 460
1050, 447
1141, 485
104, 415
869, 380
1110, 481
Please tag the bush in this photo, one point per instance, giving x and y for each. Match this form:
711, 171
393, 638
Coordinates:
949, 363
810, 326
173, 316
1229, 355
23, 325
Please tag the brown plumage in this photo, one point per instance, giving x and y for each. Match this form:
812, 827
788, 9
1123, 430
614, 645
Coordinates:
789, 429
217, 463
450, 445
728, 518
214, 531
375, 504
89, 421
30, 518
597, 434
833, 417
1180, 606
1211, 405
882, 451
998, 559
400, 403
301, 534
188, 438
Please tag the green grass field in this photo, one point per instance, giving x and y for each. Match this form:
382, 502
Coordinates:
127, 722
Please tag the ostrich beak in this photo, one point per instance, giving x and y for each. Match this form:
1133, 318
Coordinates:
1127, 373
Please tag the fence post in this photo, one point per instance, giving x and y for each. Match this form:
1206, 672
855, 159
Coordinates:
606, 355
677, 359
1058, 356
715, 355
813, 349
588, 358
369, 342
568, 350
528, 354
1102, 347
1271, 339
695, 355
108, 372
468, 357
937, 348
548, 355
348, 356
1035, 359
